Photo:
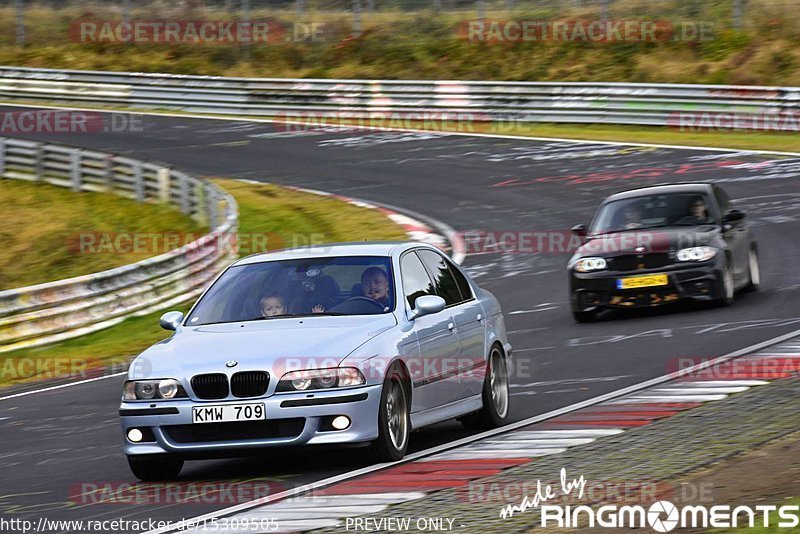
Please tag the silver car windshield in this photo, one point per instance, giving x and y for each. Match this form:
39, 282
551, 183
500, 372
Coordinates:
348, 285
653, 211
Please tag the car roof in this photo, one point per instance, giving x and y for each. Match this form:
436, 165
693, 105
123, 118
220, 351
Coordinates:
358, 248
661, 189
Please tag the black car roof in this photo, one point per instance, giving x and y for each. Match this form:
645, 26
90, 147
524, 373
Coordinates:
662, 189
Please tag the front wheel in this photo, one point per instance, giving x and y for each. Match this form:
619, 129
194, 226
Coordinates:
155, 467
583, 316
726, 299
496, 398
754, 271
393, 419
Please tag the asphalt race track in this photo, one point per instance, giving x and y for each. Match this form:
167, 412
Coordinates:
52, 444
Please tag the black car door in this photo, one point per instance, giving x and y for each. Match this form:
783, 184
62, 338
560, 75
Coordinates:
735, 234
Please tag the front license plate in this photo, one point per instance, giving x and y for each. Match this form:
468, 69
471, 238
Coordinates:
224, 413
635, 282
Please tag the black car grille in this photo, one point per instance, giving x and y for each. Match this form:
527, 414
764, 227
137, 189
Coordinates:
249, 383
244, 430
633, 262
211, 386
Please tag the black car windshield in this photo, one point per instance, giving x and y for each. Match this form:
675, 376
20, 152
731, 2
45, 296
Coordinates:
653, 211
349, 285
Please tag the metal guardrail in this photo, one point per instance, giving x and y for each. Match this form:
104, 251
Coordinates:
53, 311
578, 102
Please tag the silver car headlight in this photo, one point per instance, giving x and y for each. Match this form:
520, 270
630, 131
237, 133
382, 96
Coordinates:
586, 265
167, 388
341, 377
696, 254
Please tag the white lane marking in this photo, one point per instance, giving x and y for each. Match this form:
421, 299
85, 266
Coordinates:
581, 432
411, 130
315, 501
669, 398
69, 384
570, 380
532, 443
501, 453
723, 383
534, 349
698, 391
606, 398
519, 312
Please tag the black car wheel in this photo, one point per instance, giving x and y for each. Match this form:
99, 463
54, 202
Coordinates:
753, 271
495, 395
584, 316
727, 288
394, 422
155, 467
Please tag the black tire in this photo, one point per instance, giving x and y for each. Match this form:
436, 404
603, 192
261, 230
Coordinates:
496, 396
155, 467
727, 287
753, 271
584, 316
394, 420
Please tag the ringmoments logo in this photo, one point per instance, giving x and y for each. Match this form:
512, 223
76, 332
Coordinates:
660, 516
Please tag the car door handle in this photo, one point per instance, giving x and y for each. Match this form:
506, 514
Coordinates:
451, 327
480, 317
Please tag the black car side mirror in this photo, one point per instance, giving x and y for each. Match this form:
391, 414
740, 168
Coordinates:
579, 230
733, 216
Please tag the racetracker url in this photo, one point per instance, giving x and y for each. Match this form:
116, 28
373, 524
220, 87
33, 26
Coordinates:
227, 524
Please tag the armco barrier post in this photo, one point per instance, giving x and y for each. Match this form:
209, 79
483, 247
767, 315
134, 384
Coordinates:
212, 207
75, 169
2, 157
38, 164
108, 178
200, 212
138, 181
184, 187
163, 185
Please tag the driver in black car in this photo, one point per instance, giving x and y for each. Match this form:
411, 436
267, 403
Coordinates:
375, 285
698, 212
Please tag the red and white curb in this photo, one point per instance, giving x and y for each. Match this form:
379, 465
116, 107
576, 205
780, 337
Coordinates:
374, 492
432, 232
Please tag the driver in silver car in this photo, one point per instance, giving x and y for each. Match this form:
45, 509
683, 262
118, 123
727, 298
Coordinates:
375, 285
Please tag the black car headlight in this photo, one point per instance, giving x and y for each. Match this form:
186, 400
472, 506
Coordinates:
587, 265
314, 379
167, 388
696, 254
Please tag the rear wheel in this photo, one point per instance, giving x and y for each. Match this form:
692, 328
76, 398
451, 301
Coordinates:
155, 467
393, 419
495, 395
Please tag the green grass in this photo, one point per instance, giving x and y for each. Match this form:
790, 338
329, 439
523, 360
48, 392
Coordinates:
265, 211
421, 45
42, 225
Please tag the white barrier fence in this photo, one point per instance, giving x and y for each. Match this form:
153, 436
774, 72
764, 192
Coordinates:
607, 103
53, 311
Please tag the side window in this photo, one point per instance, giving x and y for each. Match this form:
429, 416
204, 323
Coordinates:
461, 282
416, 281
446, 286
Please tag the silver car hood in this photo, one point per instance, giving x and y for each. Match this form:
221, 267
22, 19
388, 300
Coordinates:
271, 345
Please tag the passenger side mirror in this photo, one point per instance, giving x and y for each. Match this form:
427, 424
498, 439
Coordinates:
579, 230
427, 305
733, 216
171, 320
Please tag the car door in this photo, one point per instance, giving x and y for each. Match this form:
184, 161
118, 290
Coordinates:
436, 335
735, 234
467, 312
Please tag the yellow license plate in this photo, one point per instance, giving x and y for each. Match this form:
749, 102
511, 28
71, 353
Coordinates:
635, 282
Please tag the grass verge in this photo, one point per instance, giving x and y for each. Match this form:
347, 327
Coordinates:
270, 217
42, 225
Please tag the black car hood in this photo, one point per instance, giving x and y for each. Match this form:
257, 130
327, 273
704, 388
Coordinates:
656, 240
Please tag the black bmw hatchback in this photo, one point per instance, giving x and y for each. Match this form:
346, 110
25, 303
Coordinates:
661, 244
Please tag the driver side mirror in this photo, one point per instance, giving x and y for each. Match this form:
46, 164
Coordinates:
171, 320
579, 230
733, 216
427, 305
